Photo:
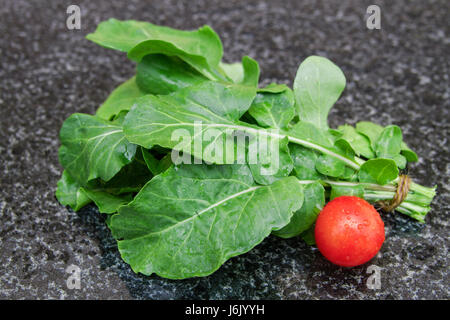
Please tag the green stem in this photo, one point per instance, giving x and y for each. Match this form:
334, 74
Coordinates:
416, 204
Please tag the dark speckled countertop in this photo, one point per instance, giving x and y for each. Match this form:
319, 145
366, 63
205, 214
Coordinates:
396, 75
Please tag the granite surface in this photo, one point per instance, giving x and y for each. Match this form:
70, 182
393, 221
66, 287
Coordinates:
396, 75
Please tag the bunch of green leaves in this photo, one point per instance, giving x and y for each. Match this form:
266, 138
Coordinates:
186, 220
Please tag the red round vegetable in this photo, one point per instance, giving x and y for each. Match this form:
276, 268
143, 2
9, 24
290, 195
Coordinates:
349, 231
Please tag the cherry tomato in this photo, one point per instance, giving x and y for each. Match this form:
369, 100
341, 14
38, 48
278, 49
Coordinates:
349, 231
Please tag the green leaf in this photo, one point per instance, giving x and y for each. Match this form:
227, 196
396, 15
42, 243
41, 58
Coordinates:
329, 166
274, 164
155, 119
150, 160
346, 190
303, 219
349, 174
106, 202
274, 88
379, 138
400, 160
122, 98
335, 156
359, 143
305, 163
201, 48
164, 164
333, 167
273, 110
119, 118
389, 142
345, 149
234, 71
71, 193
154, 165
108, 196
93, 148
160, 74
211, 111
251, 71
317, 86
245, 72
131, 178
311, 133
410, 155
371, 130
189, 220
379, 171
68, 193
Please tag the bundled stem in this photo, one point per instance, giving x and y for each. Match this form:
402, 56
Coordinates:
416, 204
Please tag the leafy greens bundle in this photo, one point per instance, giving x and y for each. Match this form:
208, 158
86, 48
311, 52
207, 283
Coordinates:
186, 220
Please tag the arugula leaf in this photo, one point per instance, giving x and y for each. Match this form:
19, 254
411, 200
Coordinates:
346, 190
273, 110
410, 155
308, 135
389, 145
164, 164
131, 178
389, 142
106, 202
333, 167
264, 170
311, 165
190, 219
202, 48
330, 166
350, 173
154, 120
379, 171
108, 196
154, 165
371, 130
317, 86
160, 74
305, 163
379, 139
119, 118
150, 160
68, 193
359, 143
122, 98
309, 132
234, 71
245, 72
303, 219
274, 88
251, 72
93, 148
400, 160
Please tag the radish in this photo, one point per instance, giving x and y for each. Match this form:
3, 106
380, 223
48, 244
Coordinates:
349, 231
